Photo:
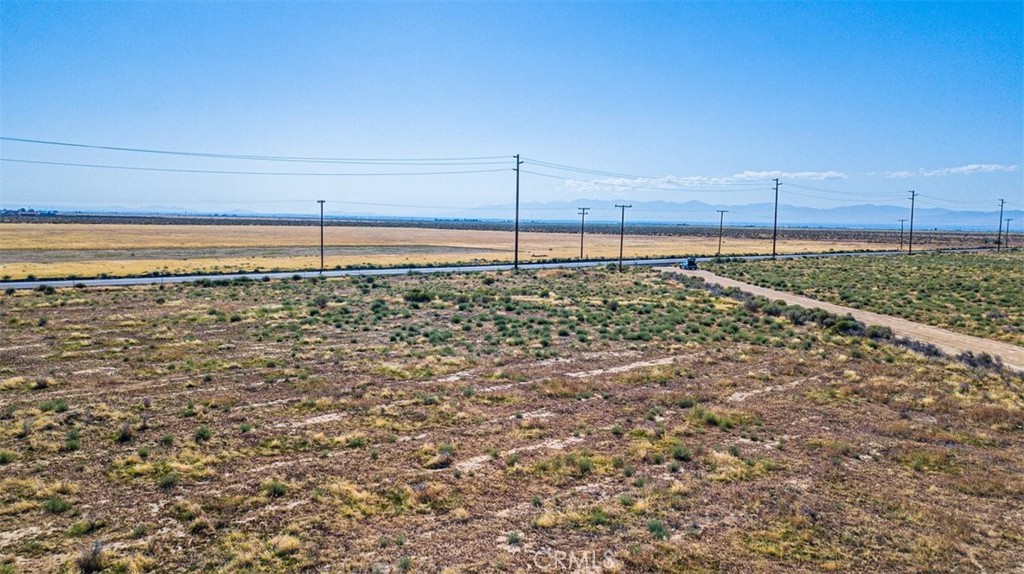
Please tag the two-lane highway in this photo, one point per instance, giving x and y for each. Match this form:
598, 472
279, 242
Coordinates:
156, 280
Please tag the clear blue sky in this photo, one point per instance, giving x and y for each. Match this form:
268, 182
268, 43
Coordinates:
868, 99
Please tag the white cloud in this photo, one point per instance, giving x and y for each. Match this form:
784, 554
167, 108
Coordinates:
815, 175
900, 174
961, 170
674, 183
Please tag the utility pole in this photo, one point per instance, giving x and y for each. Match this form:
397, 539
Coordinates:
321, 202
515, 257
1007, 240
622, 231
721, 219
901, 234
999, 238
775, 224
583, 217
910, 246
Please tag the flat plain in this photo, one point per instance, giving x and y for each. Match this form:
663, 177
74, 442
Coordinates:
489, 423
79, 250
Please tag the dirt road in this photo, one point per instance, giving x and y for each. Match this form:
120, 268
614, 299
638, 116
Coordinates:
948, 341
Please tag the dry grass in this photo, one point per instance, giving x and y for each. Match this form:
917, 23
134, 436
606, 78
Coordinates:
24, 248
520, 412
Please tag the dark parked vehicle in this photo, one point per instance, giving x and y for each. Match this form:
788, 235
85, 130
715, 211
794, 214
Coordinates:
691, 264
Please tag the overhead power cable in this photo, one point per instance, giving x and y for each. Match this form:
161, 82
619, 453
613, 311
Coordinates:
275, 201
479, 160
274, 173
838, 199
958, 201
669, 187
563, 167
890, 195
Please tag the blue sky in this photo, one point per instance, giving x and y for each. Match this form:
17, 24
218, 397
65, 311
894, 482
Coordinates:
846, 102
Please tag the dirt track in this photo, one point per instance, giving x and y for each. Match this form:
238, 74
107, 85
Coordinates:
948, 341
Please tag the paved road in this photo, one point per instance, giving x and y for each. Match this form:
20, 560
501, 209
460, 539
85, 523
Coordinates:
128, 281
949, 342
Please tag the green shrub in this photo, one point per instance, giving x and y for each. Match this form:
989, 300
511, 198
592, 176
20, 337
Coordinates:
56, 505
657, 529
54, 405
73, 441
418, 296
83, 527
682, 453
275, 488
168, 480
203, 434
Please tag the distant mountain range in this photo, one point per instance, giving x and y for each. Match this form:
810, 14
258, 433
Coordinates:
698, 212
664, 212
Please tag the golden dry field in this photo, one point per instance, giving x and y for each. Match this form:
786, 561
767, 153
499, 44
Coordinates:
89, 250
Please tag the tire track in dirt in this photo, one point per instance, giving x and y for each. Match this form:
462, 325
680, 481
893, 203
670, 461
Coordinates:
947, 341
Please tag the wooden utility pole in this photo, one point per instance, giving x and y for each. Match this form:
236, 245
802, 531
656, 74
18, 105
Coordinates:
910, 245
775, 223
321, 202
515, 257
583, 217
999, 238
901, 234
622, 231
721, 219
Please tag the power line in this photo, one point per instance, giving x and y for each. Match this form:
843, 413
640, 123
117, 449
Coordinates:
840, 192
677, 187
837, 199
564, 167
254, 157
954, 201
638, 187
640, 182
250, 201
273, 173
